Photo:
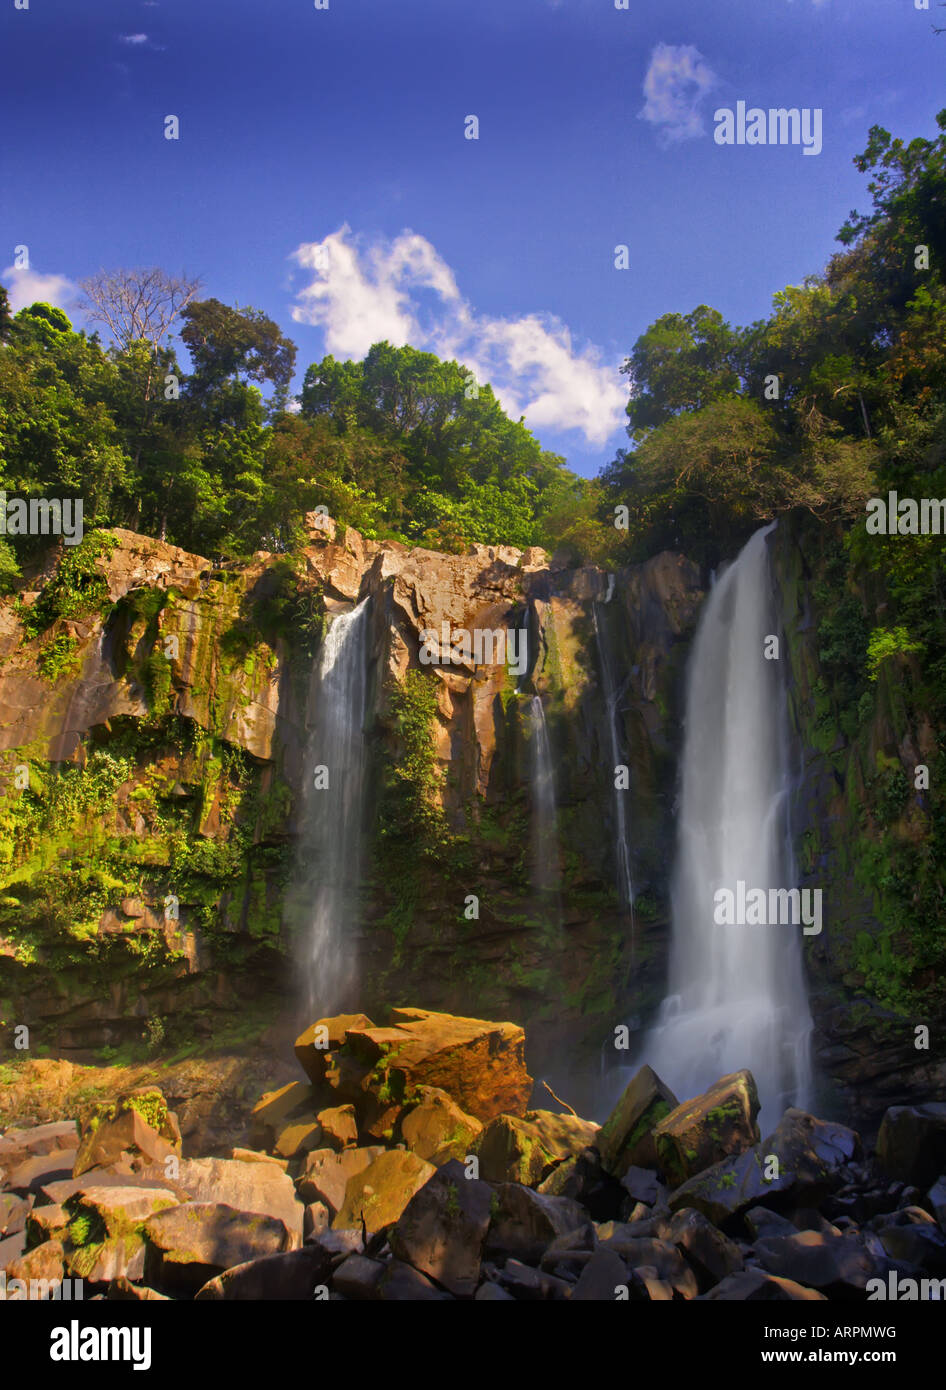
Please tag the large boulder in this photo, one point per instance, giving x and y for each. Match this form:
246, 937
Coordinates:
700, 1132
442, 1230
276, 1109
192, 1243
756, 1286
379, 1193
838, 1265
711, 1255
627, 1136
481, 1065
322, 1037
260, 1189
798, 1165
526, 1149
911, 1144
437, 1129
525, 1222
127, 1129
292, 1276
327, 1174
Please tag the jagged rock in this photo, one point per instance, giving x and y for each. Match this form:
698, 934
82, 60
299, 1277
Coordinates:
327, 1174
44, 1262
755, 1286
525, 1149
443, 1228
339, 1127
11, 1248
532, 1285
490, 1292
643, 1185
298, 1138
911, 1144
32, 1174
18, 1144
105, 1140
330, 1032
13, 1212
659, 1255
912, 1237
379, 1193
114, 1211
358, 1277
701, 1131
401, 1283
839, 1264
711, 1255
274, 1109
260, 1189
761, 1223
810, 1161
122, 1290
603, 1278
290, 1276
255, 1156
481, 1065
437, 1129
583, 1241
584, 1180
192, 1243
626, 1137
316, 1219
525, 1222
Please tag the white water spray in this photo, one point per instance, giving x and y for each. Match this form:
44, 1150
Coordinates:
736, 994
545, 866
331, 833
612, 697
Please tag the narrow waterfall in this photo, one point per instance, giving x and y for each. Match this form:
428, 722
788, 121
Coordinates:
612, 697
331, 834
736, 993
545, 866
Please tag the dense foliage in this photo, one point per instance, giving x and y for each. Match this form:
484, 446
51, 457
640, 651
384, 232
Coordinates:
400, 445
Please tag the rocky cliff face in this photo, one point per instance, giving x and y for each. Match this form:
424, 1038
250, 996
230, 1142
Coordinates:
861, 827
152, 734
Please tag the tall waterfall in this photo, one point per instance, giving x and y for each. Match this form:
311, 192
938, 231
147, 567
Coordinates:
737, 994
612, 696
545, 866
327, 891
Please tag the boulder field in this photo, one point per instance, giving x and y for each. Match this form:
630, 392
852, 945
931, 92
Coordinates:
405, 1164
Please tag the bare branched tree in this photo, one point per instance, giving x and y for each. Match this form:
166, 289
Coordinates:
136, 304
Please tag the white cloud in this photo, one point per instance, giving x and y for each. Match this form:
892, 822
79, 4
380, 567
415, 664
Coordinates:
404, 292
135, 39
28, 286
677, 81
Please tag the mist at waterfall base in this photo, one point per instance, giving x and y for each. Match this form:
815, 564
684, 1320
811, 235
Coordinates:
326, 890
736, 994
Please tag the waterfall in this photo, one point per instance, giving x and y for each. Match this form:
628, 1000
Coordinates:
545, 866
612, 697
330, 839
736, 993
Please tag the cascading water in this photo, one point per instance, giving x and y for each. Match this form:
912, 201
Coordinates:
545, 867
330, 838
736, 993
612, 696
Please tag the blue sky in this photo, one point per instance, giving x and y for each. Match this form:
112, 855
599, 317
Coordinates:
322, 173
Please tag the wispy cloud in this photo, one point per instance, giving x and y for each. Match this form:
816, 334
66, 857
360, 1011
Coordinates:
677, 81
136, 39
29, 286
403, 291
